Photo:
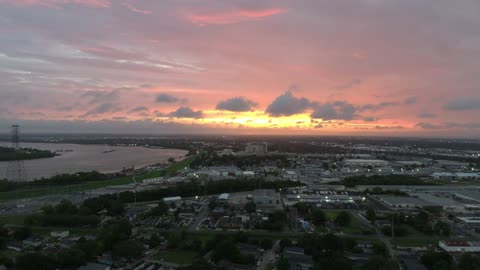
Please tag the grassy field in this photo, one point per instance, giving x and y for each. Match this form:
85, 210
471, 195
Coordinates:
43, 191
416, 238
13, 220
354, 227
176, 256
7, 253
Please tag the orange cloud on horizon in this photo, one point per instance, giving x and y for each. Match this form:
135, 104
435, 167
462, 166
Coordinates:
232, 16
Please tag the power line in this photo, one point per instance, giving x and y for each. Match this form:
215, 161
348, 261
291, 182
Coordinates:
16, 168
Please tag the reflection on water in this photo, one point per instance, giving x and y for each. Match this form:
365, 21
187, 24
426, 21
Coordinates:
76, 157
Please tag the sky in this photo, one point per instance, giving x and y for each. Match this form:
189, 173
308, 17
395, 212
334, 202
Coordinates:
349, 67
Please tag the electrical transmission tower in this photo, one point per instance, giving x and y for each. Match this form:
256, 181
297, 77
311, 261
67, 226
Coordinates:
16, 168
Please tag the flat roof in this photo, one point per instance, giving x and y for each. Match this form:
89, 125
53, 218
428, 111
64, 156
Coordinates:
404, 200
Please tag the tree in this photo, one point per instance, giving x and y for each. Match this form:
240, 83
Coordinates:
128, 249
343, 219
174, 239
379, 263
250, 207
116, 208
380, 249
435, 261
91, 248
114, 233
71, 258
302, 208
282, 264
22, 233
285, 242
266, 243
318, 217
469, 261
198, 264
160, 210
333, 263
154, 241
371, 215
212, 204
226, 249
65, 207
441, 228
35, 261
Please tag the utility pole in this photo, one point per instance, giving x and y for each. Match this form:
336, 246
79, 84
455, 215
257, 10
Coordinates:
16, 168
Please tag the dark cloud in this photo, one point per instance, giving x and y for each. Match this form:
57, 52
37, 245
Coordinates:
410, 100
186, 112
427, 115
338, 110
389, 127
96, 97
449, 125
287, 104
167, 98
369, 119
118, 125
103, 108
426, 125
463, 104
463, 125
237, 104
376, 107
319, 126
139, 109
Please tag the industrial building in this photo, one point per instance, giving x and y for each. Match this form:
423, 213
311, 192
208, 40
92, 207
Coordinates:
460, 246
403, 202
259, 148
266, 198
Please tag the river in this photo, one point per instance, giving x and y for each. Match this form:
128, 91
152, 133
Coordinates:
78, 157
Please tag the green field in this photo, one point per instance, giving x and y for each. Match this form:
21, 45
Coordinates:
415, 238
354, 227
43, 191
176, 256
13, 220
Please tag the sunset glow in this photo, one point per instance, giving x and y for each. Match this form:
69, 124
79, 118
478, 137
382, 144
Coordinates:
404, 68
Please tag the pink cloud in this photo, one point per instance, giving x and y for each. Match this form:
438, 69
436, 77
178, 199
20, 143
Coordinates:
232, 16
58, 3
131, 7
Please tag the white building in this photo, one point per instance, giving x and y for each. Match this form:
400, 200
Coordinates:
266, 198
257, 148
460, 246
172, 199
224, 197
403, 202
59, 234
248, 174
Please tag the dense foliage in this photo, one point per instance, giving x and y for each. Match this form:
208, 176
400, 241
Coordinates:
61, 179
9, 153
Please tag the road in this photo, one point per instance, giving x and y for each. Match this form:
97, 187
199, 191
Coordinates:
268, 256
199, 218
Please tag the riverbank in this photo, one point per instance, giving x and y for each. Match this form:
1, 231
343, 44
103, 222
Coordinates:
10, 153
85, 158
38, 191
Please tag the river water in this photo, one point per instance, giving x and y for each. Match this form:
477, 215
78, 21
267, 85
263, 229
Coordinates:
78, 157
